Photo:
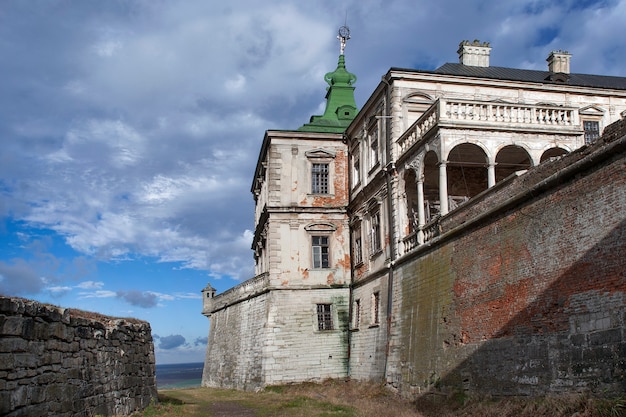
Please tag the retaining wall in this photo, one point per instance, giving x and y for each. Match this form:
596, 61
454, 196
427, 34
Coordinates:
63, 362
531, 299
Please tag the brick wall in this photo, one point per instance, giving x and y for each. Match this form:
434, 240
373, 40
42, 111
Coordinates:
530, 299
62, 362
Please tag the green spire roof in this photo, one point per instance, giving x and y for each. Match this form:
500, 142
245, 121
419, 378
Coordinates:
340, 105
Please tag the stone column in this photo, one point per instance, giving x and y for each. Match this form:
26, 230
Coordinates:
491, 174
443, 188
421, 217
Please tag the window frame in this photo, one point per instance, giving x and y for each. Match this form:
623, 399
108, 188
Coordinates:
317, 259
376, 308
324, 317
320, 178
373, 143
356, 314
591, 135
375, 230
356, 170
357, 244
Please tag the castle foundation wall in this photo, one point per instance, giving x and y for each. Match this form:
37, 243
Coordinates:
528, 301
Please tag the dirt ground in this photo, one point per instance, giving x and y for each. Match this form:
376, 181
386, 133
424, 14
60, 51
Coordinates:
230, 409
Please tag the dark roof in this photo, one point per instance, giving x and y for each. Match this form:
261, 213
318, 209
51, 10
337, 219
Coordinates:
513, 74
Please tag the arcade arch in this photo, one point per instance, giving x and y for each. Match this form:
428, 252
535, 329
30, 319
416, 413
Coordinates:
467, 173
552, 153
510, 159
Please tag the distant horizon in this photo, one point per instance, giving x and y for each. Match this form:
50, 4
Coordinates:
181, 363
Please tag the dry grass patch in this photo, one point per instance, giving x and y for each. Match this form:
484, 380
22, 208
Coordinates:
337, 398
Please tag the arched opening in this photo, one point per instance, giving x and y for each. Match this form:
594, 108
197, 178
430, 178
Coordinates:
467, 173
431, 186
552, 153
511, 159
415, 105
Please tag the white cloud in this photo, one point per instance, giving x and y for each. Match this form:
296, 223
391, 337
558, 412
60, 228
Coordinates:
192, 296
97, 294
59, 289
236, 84
90, 285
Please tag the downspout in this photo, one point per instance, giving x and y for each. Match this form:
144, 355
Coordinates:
389, 169
392, 260
350, 248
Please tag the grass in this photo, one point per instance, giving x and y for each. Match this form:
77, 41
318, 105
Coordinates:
351, 399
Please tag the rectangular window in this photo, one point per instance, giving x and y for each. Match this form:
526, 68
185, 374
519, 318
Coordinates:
376, 308
324, 317
356, 170
319, 179
357, 244
375, 232
356, 314
373, 147
592, 131
320, 252
358, 248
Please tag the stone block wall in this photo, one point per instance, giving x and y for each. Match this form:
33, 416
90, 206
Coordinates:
237, 334
531, 299
63, 362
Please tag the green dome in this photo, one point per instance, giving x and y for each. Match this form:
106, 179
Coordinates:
340, 105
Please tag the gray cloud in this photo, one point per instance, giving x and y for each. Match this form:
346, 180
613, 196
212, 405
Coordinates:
17, 277
201, 341
171, 342
144, 299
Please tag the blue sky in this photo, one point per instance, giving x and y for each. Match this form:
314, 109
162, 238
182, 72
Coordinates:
130, 129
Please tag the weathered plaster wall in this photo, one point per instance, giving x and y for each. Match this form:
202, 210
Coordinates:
62, 362
368, 339
530, 300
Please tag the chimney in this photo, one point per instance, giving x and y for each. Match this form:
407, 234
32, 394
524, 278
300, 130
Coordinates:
475, 54
558, 62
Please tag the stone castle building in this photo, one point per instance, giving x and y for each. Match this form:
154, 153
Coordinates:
385, 247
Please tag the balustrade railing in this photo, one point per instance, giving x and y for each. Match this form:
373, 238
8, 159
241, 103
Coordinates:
431, 229
410, 242
420, 127
518, 116
508, 113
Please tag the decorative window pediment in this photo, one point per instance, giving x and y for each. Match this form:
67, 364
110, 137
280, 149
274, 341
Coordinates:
319, 154
320, 227
502, 101
591, 111
418, 98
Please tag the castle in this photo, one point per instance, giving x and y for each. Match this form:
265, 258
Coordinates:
465, 230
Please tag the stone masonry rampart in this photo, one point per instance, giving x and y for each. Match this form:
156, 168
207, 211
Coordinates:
62, 362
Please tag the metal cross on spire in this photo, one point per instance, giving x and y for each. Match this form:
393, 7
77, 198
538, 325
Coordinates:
344, 35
